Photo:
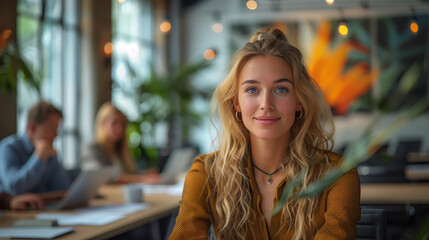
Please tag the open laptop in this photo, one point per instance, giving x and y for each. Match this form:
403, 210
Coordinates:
179, 162
83, 188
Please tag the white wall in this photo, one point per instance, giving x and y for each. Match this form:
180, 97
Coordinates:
198, 37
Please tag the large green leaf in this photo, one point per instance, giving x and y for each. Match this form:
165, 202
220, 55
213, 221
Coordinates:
13, 63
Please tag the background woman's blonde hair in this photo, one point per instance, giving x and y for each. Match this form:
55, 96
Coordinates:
311, 137
121, 149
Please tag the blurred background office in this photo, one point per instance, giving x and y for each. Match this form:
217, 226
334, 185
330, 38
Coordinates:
158, 61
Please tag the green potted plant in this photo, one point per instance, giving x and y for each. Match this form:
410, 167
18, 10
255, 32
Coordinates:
165, 99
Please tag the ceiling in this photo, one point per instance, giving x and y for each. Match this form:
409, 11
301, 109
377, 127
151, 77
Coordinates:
320, 4
236, 10
311, 5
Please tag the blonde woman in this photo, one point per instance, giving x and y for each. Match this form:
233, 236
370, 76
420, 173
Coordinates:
275, 125
110, 148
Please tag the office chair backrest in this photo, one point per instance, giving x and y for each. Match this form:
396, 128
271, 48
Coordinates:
406, 146
372, 225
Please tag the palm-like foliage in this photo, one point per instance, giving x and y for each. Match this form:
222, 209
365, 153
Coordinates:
11, 64
167, 98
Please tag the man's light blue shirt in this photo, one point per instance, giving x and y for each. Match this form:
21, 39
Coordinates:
21, 171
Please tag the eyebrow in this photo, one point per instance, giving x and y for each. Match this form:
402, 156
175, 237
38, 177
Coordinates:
281, 80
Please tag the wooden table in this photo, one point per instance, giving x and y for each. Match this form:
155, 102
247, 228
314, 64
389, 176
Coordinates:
395, 193
160, 205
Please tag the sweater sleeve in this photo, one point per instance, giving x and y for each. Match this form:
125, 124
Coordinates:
342, 208
193, 220
16, 178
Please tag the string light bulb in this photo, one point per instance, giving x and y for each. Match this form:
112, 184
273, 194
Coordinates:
217, 27
251, 4
108, 49
343, 29
165, 26
329, 2
209, 54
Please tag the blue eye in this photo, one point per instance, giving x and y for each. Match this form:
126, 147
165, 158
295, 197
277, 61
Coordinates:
251, 90
281, 90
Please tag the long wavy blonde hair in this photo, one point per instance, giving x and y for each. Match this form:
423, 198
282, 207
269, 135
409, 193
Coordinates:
311, 137
121, 148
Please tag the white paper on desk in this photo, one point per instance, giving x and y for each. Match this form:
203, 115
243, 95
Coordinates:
34, 232
115, 209
94, 219
175, 190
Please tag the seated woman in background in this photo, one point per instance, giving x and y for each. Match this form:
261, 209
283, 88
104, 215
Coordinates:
111, 148
275, 125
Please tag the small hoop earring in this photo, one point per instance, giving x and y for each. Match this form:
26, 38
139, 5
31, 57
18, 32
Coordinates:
300, 115
236, 117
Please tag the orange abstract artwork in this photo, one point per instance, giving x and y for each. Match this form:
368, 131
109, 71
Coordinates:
341, 84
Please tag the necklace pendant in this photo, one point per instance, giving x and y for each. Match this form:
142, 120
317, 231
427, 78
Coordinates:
270, 180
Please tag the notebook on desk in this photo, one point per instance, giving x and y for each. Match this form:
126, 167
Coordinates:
83, 188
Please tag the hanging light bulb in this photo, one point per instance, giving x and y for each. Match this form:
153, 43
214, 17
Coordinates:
329, 2
414, 26
165, 26
217, 26
121, 1
251, 4
343, 29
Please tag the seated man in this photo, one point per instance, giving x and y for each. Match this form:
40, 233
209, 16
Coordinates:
28, 163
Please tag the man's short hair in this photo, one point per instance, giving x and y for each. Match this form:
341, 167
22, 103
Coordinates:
41, 111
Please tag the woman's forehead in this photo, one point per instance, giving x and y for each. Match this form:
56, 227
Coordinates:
261, 67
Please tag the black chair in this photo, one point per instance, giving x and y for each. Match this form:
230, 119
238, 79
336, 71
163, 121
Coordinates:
372, 225
382, 167
406, 146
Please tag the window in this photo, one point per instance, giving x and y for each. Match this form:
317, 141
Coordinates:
49, 38
132, 24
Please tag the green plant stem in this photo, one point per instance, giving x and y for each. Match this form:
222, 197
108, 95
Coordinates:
358, 152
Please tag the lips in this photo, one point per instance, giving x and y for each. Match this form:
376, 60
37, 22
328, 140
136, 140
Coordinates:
266, 120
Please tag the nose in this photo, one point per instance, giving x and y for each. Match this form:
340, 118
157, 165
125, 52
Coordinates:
266, 101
